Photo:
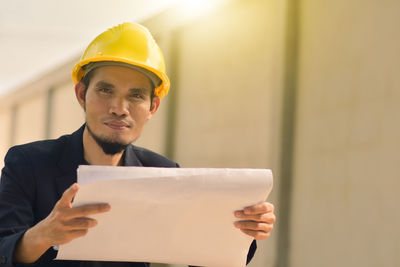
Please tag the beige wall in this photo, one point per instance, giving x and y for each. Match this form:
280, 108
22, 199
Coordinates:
229, 73
66, 113
347, 144
31, 119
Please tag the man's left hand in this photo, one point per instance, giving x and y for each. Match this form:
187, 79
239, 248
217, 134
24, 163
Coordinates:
257, 220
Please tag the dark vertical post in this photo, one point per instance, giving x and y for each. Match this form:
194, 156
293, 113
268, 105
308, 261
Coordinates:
49, 112
173, 94
288, 131
13, 126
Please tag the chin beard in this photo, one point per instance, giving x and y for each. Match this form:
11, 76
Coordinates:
109, 147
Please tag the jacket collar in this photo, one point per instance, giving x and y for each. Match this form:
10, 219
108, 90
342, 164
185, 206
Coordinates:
130, 157
72, 155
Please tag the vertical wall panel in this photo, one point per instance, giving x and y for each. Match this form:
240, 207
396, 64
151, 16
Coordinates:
67, 115
230, 85
31, 119
229, 73
347, 152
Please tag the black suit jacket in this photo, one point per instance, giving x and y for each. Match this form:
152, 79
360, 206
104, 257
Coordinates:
33, 179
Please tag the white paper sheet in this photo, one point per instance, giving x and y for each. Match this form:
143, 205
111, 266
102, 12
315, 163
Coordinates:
167, 215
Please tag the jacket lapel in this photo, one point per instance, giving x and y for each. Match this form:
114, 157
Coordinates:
130, 158
71, 158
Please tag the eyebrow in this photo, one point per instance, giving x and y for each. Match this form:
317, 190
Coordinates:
138, 90
104, 84
132, 90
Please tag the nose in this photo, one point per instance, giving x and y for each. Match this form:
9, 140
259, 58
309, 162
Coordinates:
119, 107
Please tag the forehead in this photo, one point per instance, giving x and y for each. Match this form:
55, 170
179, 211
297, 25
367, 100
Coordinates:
122, 76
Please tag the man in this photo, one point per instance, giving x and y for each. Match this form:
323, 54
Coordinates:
120, 81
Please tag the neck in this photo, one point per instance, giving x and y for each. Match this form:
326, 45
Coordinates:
95, 155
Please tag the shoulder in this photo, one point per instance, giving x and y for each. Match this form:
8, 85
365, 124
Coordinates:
37, 151
23, 163
151, 159
48, 151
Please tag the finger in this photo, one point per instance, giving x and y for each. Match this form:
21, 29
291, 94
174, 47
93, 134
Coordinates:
259, 208
268, 217
86, 210
77, 233
68, 195
257, 235
80, 223
68, 236
257, 226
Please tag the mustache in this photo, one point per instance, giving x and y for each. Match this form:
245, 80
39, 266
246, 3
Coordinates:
118, 119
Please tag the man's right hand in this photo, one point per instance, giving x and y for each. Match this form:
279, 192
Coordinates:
63, 224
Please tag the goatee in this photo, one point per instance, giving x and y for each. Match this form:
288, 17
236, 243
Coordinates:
109, 147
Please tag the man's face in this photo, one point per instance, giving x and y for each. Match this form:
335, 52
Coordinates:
118, 104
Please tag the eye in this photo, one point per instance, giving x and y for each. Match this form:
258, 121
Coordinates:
104, 90
137, 96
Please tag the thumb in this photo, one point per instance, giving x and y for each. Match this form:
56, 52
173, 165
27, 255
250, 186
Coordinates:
68, 195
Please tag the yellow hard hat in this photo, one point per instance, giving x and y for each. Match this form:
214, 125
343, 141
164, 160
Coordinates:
128, 43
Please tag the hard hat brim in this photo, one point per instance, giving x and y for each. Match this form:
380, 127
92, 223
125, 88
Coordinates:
78, 72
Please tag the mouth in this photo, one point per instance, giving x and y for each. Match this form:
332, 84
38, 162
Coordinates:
117, 125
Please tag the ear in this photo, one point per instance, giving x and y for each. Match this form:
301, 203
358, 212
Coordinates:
80, 93
154, 106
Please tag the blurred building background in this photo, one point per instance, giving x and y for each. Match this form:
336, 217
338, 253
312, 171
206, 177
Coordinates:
309, 89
